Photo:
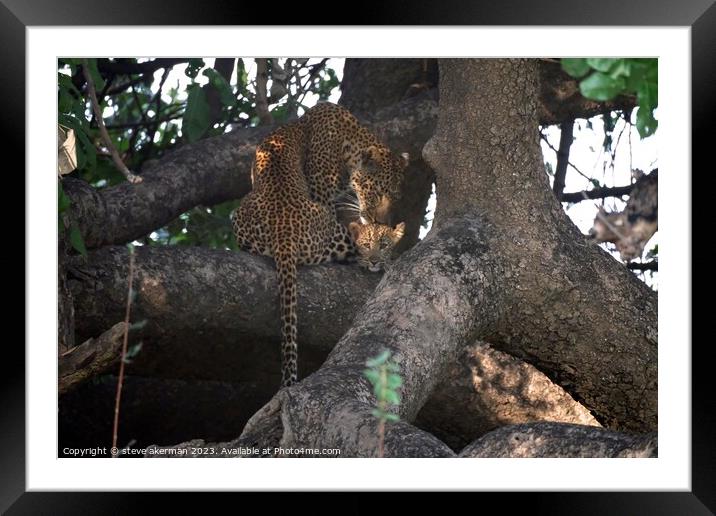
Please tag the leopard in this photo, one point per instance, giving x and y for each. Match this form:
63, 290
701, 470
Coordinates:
375, 243
299, 172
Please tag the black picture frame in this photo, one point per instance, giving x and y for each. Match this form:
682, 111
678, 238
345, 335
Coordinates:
700, 15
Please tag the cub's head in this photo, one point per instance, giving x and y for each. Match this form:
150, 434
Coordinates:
378, 180
375, 243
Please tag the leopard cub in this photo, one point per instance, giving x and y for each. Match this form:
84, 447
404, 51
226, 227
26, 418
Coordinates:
375, 243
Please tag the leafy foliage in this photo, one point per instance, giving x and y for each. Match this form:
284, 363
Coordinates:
75, 237
384, 374
604, 79
152, 106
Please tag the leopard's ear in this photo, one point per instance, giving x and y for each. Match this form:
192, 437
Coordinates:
398, 231
354, 229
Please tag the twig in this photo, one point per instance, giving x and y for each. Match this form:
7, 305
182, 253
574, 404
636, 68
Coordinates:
120, 380
644, 266
585, 176
315, 69
132, 125
102, 129
596, 193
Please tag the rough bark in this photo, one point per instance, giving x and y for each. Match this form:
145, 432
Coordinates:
485, 389
208, 172
558, 440
213, 314
566, 307
370, 85
502, 260
91, 358
65, 303
503, 263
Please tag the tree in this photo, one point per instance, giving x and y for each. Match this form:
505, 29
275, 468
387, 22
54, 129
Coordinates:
502, 264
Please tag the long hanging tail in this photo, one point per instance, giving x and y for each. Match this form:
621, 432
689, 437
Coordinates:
286, 267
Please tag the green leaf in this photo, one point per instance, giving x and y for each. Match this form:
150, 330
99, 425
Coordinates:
134, 350
394, 381
372, 375
646, 124
77, 241
242, 78
392, 417
548, 168
138, 325
601, 64
378, 413
391, 397
196, 121
63, 202
379, 360
68, 94
280, 113
599, 86
622, 68
226, 94
96, 77
392, 367
648, 95
576, 67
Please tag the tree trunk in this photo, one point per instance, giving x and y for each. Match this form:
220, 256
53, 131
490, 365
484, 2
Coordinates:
502, 261
502, 264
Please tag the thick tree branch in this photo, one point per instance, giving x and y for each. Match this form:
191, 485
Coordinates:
91, 358
484, 389
559, 304
559, 440
208, 310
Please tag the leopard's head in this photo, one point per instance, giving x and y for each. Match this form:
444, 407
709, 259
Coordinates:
378, 181
375, 243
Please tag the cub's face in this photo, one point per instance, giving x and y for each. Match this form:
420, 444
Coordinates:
375, 243
378, 181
